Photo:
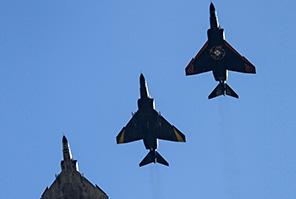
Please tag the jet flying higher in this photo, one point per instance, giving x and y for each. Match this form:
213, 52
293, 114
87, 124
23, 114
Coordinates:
149, 125
218, 56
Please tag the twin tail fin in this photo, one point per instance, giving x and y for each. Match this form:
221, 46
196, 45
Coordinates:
153, 156
222, 89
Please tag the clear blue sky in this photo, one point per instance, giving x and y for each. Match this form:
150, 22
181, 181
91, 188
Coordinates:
73, 67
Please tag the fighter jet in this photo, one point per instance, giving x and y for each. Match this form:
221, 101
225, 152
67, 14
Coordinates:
149, 125
218, 56
70, 183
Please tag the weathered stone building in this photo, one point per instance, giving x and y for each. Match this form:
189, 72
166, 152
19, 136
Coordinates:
70, 184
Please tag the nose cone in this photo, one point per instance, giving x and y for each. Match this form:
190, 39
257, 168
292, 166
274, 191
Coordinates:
212, 7
142, 79
65, 141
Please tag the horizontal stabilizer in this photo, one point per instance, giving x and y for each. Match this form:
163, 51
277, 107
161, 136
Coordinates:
230, 92
219, 90
153, 156
222, 89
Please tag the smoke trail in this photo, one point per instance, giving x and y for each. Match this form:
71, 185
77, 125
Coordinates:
155, 181
227, 135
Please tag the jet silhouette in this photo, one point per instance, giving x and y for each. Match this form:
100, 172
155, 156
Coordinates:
218, 56
149, 125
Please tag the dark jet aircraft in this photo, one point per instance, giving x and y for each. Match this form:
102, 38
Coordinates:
218, 56
149, 125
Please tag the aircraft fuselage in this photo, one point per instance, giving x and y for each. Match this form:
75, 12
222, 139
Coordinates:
148, 123
216, 42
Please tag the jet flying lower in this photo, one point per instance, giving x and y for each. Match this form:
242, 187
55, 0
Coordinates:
148, 125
